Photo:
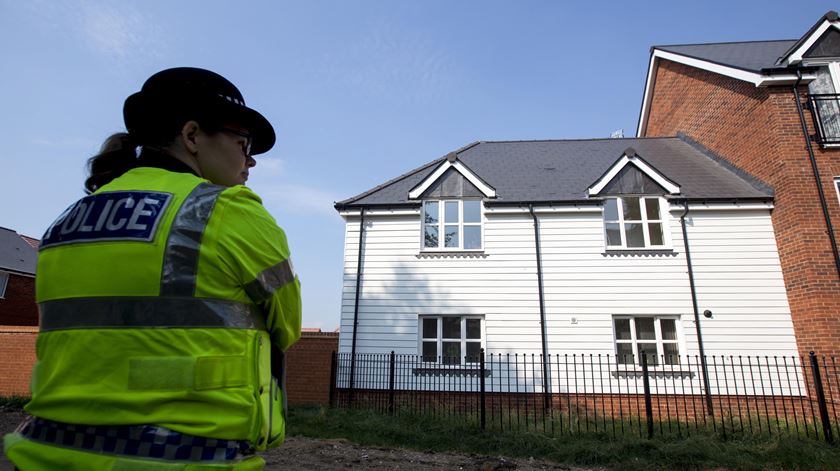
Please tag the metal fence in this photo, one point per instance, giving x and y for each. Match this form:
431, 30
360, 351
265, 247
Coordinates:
601, 394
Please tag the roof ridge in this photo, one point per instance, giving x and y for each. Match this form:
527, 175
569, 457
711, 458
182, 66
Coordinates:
726, 42
754, 181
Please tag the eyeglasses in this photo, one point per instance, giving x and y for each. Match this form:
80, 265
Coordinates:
246, 147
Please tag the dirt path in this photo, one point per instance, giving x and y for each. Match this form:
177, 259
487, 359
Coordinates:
308, 453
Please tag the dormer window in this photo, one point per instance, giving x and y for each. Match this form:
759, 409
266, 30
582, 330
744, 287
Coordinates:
634, 222
452, 225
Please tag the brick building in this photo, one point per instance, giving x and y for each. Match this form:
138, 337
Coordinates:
18, 257
771, 108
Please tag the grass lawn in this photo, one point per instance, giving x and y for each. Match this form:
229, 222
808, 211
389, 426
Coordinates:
695, 452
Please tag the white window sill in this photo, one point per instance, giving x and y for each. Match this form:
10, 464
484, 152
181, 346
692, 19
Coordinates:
656, 372
451, 370
452, 254
647, 252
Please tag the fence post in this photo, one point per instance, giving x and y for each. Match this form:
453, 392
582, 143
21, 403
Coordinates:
481, 383
648, 405
818, 388
333, 371
391, 384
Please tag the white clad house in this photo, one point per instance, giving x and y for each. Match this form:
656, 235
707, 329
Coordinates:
565, 247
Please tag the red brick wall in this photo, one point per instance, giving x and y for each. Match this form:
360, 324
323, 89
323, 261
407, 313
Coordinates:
758, 130
17, 307
308, 368
17, 355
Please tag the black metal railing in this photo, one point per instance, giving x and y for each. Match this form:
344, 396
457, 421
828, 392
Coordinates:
826, 111
645, 396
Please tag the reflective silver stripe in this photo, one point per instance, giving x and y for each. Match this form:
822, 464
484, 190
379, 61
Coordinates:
180, 257
148, 312
270, 280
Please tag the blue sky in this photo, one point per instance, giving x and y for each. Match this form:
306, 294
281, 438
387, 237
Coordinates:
358, 91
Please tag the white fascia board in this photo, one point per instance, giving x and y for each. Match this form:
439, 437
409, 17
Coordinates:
668, 185
721, 207
650, 83
739, 74
488, 191
542, 209
378, 212
786, 79
795, 57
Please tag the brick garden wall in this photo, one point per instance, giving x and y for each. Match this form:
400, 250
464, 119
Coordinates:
308, 368
17, 355
758, 130
17, 307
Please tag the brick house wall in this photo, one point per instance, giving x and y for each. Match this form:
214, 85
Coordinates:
307, 364
758, 130
17, 307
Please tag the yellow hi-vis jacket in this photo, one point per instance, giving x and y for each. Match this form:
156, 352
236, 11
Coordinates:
161, 296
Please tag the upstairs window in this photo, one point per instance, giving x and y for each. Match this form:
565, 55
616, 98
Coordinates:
825, 102
837, 187
634, 222
4, 280
452, 225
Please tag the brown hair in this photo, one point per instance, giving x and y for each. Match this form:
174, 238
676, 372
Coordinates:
117, 155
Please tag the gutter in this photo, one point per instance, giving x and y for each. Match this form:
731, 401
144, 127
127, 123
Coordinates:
816, 173
706, 385
356, 308
546, 358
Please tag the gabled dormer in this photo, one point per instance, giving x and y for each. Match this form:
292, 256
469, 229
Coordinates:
452, 210
452, 179
635, 205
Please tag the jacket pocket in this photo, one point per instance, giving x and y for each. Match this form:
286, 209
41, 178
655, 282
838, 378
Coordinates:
277, 426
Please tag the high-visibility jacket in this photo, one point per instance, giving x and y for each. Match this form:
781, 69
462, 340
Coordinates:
161, 297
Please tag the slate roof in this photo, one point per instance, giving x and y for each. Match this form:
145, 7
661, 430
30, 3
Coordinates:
16, 254
752, 56
562, 170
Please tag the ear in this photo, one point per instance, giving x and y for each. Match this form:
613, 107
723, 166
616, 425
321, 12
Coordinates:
189, 136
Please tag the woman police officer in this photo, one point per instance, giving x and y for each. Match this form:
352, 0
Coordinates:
167, 296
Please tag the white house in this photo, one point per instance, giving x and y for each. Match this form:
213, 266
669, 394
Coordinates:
566, 247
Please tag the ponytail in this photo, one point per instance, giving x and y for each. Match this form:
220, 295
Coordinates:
117, 156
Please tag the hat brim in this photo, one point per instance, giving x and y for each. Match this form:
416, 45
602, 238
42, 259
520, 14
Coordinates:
139, 108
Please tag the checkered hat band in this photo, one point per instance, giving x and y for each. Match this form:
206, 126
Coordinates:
141, 441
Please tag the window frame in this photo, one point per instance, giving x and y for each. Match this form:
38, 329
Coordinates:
659, 341
644, 221
441, 225
837, 187
834, 73
439, 360
4, 283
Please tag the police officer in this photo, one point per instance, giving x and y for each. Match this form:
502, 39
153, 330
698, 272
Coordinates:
167, 296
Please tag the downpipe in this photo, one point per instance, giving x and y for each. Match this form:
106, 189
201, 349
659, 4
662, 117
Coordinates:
546, 358
816, 172
356, 305
706, 385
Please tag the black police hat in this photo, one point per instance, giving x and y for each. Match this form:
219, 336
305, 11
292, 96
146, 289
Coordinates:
189, 89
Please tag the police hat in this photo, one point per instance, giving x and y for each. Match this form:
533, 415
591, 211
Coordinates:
199, 91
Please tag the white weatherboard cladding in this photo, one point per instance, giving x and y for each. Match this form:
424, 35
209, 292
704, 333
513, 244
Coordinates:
736, 267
